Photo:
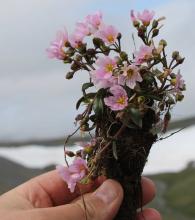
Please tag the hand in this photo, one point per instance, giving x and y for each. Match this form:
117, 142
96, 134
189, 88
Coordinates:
47, 198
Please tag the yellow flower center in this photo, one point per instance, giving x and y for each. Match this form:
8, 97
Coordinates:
110, 38
121, 100
109, 68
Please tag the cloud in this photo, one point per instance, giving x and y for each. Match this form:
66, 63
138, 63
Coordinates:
36, 101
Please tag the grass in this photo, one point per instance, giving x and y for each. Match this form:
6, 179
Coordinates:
176, 199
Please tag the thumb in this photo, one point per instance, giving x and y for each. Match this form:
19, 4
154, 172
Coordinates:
103, 204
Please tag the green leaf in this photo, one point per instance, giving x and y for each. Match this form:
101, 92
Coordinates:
79, 102
85, 99
98, 106
86, 86
114, 150
136, 116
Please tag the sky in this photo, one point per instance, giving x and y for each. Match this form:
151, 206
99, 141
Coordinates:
35, 99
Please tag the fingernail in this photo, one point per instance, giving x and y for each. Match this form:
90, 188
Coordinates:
107, 192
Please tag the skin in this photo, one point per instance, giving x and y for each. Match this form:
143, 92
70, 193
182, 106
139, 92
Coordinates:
47, 197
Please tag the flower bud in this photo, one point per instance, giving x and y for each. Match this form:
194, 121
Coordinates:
170, 101
70, 75
78, 58
91, 52
179, 97
163, 43
155, 24
175, 55
123, 55
119, 36
105, 49
79, 153
69, 153
67, 44
180, 60
67, 60
136, 24
98, 42
155, 32
75, 66
82, 48
173, 75
141, 31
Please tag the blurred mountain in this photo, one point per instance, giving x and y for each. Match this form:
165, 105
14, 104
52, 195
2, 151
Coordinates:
178, 124
13, 174
176, 194
175, 191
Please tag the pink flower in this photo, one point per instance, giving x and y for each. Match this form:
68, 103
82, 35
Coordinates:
56, 47
102, 82
83, 29
107, 65
178, 83
76, 39
146, 17
119, 100
130, 76
143, 55
133, 18
74, 173
95, 20
108, 34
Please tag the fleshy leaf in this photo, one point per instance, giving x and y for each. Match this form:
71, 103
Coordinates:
136, 116
86, 86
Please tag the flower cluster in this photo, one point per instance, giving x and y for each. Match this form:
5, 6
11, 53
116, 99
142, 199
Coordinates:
127, 85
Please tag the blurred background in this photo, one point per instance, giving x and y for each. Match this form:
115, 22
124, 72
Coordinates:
37, 104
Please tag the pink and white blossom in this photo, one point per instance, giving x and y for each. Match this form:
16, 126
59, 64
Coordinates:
102, 82
74, 173
56, 49
83, 29
143, 55
106, 66
130, 76
76, 39
179, 83
146, 17
118, 100
95, 20
133, 17
108, 34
